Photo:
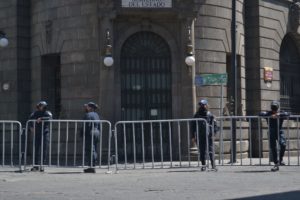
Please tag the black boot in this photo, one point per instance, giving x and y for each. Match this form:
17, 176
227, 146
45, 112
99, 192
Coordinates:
203, 168
282, 163
35, 168
275, 168
214, 168
89, 170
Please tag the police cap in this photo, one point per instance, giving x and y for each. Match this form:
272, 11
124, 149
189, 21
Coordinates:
203, 102
42, 103
275, 104
91, 105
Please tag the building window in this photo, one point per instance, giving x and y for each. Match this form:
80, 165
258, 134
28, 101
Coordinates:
289, 76
51, 82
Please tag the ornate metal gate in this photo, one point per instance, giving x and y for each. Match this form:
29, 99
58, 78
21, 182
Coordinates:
146, 78
145, 90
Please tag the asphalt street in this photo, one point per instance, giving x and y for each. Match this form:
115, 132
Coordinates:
230, 182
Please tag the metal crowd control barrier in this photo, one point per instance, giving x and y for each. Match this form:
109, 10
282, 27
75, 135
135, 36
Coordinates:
147, 144
11, 133
253, 136
157, 143
67, 143
291, 131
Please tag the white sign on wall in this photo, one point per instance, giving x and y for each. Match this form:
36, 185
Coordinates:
147, 3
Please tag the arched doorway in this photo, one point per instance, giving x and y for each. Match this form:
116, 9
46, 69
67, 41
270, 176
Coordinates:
146, 93
145, 65
289, 75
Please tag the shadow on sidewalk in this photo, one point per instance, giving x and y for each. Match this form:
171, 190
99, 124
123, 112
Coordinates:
11, 171
292, 195
254, 171
65, 173
184, 171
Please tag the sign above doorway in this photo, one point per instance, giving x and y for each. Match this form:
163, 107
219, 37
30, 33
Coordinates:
147, 3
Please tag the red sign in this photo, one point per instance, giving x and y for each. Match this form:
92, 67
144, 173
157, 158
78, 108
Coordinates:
268, 74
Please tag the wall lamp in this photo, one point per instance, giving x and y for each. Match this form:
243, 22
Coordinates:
3, 40
190, 59
108, 59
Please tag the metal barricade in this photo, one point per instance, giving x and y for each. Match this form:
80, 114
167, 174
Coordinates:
10, 141
239, 131
158, 143
253, 137
290, 138
68, 143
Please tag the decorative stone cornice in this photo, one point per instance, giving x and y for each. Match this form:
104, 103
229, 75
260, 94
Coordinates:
187, 8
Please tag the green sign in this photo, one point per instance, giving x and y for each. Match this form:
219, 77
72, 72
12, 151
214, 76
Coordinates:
210, 79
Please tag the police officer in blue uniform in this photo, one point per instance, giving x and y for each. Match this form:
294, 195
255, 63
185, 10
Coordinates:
203, 113
40, 129
91, 131
275, 116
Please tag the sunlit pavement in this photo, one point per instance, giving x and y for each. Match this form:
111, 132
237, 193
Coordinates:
230, 182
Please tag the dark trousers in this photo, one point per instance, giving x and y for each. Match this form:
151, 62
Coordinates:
38, 145
91, 154
203, 149
273, 145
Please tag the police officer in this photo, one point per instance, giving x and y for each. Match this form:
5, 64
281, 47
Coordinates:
276, 116
91, 132
40, 129
203, 113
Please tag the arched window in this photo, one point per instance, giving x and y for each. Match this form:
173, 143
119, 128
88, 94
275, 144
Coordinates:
289, 75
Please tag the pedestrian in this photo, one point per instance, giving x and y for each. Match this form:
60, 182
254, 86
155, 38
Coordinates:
200, 126
40, 129
274, 117
91, 134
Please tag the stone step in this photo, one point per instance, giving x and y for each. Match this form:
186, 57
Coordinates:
291, 144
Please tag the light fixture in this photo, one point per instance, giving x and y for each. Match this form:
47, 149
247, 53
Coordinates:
3, 40
108, 59
5, 86
190, 59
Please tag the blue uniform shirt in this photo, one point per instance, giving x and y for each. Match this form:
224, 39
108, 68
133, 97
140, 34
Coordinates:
273, 122
44, 115
90, 125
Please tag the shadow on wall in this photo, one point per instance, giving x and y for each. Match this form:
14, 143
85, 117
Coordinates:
292, 195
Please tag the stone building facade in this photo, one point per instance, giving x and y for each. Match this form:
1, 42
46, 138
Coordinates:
57, 48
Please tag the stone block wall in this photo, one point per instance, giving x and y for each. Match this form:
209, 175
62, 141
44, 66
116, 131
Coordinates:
273, 26
8, 61
213, 46
69, 29
267, 23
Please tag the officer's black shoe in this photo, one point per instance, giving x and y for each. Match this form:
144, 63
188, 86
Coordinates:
89, 170
282, 163
203, 168
214, 169
275, 168
35, 168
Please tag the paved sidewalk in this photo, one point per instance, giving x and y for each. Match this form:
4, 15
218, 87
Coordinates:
236, 182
